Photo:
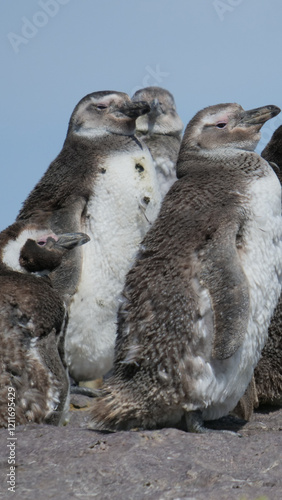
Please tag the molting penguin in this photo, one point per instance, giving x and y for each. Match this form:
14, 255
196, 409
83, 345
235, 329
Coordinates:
266, 385
32, 323
161, 130
268, 373
103, 183
198, 301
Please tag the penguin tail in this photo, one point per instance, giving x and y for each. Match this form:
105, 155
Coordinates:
114, 411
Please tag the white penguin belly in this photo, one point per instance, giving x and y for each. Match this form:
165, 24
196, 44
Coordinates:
166, 174
125, 202
221, 383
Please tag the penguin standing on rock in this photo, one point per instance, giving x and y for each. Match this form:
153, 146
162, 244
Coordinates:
268, 372
199, 299
102, 183
266, 385
161, 130
32, 325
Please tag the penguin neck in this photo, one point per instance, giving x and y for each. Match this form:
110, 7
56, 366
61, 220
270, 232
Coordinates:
230, 158
98, 143
91, 134
221, 153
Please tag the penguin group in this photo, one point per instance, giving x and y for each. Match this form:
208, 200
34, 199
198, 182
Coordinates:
151, 259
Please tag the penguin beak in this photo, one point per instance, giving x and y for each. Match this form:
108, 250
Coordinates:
71, 240
258, 116
135, 109
155, 106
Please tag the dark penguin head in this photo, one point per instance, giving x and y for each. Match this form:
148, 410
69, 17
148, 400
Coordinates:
46, 253
227, 126
273, 150
163, 117
105, 112
30, 249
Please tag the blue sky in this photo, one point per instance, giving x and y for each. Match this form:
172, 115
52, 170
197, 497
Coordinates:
53, 52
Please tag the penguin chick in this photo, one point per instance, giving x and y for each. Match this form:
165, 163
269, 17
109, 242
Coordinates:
161, 130
103, 183
268, 372
32, 322
198, 301
266, 385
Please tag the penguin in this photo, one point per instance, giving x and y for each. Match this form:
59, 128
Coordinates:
268, 372
198, 301
266, 384
161, 130
34, 384
102, 183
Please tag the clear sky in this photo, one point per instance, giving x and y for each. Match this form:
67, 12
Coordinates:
53, 52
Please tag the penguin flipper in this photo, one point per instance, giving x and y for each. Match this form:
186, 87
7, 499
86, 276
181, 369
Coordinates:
230, 302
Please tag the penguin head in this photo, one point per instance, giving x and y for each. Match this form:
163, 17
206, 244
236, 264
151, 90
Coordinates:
273, 150
36, 250
105, 112
46, 253
163, 117
227, 126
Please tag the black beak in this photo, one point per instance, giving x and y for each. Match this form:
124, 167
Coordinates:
71, 240
135, 109
259, 116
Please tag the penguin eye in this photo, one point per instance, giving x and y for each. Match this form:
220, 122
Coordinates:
42, 242
221, 124
94, 107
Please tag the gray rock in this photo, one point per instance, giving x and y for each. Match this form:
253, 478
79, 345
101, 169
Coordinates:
167, 464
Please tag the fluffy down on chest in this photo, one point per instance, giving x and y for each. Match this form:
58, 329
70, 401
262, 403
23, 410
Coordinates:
262, 256
125, 202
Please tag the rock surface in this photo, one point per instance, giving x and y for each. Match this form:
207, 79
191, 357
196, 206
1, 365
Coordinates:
167, 464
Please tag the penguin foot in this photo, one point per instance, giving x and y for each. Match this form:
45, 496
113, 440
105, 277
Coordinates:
92, 388
85, 391
194, 423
